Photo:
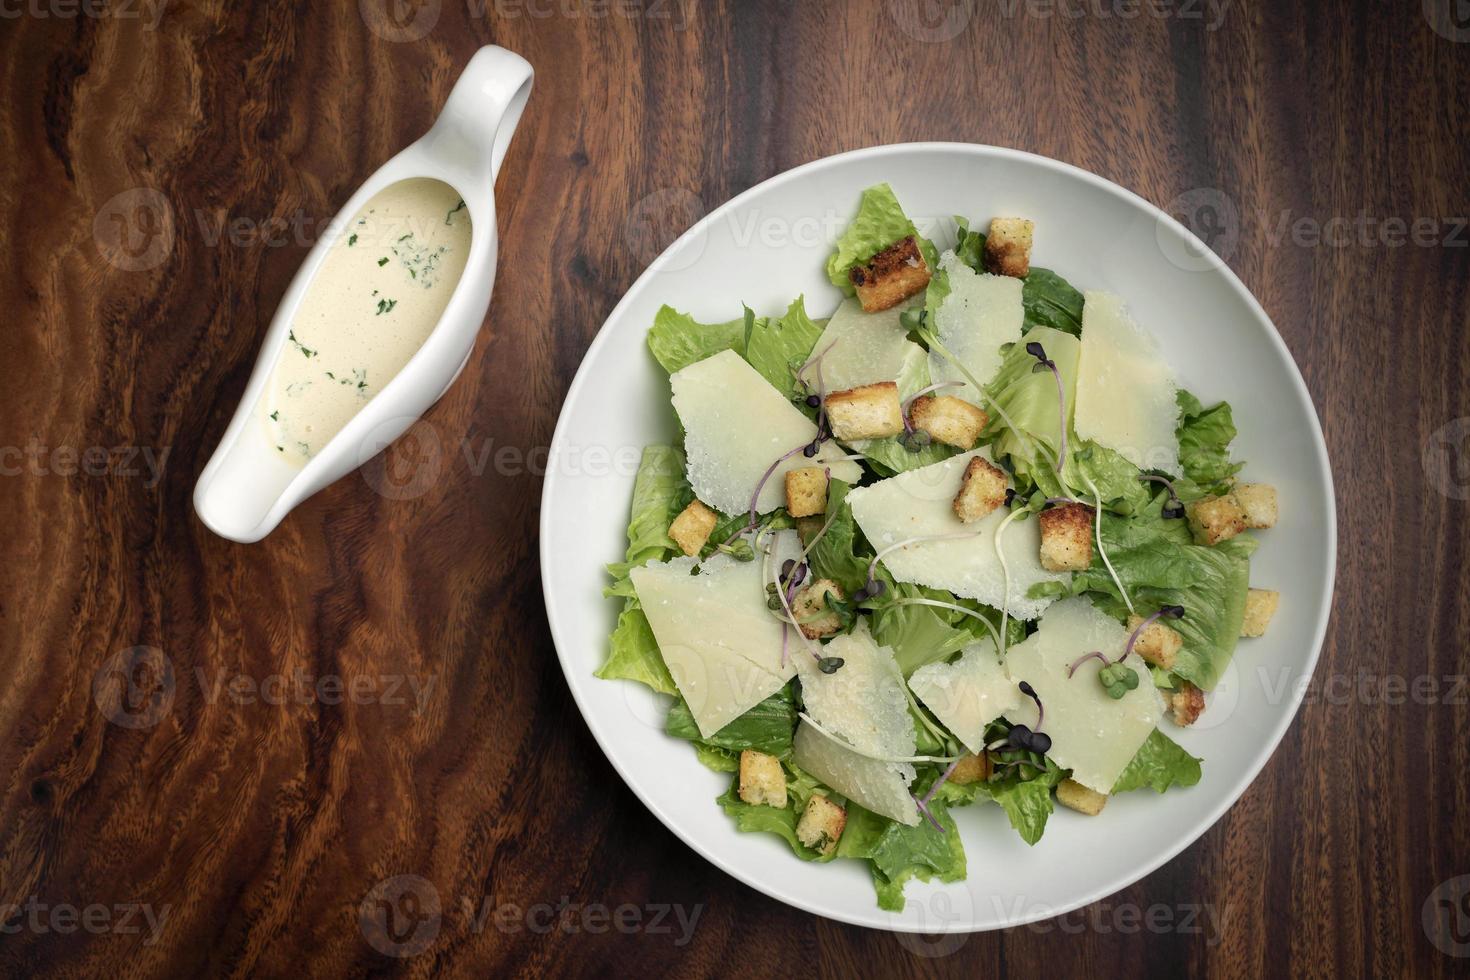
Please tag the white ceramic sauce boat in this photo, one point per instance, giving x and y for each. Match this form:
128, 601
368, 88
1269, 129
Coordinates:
247, 489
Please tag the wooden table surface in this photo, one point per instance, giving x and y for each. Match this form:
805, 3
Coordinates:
166, 166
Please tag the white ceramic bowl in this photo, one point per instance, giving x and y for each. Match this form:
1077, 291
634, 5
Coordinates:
770, 244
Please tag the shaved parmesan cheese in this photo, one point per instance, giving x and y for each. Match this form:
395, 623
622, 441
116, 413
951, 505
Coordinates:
865, 348
882, 787
980, 313
1091, 734
735, 426
1125, 389
721, 643
863, 701
920, 503
969, 694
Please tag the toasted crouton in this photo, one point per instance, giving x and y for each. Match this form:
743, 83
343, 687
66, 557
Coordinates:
952, 421
982, 490
762, 780
809, 607
1008, 247
1159, 644
821, 824
1258, 501
1260, 606
1074, 795
891, 276
971, 769
869, 412
806, 491
1066, 538
1216, 519
691, 529
1187, 703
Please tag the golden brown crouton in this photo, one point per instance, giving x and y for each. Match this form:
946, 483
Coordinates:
1074, 795
1187, 703
1216, 519
821, 824
1260, 606
806, 491
1066, 537
809, 607
869, 412
891, 276
952, 421
1258, 501
982, 490
691, 529
1159, 644
762, 780
971, 769
1008, 247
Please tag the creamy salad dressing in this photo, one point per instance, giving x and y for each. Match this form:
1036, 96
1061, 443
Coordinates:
376, 298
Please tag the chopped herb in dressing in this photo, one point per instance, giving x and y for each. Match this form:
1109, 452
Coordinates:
457, 208
305, 351
383, 261
352, 238
386, 306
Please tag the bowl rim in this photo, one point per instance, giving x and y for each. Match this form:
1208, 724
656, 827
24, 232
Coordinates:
1213, 263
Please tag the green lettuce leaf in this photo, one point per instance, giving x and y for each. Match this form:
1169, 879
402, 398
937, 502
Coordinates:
660, 491
1027, 803
836, 556
898, 853
1051, 301
1029, 400
633, 653
1158, 567
1205, 435
780, 821
879, 222
778, 347
678, 340
767, 727
1160, 763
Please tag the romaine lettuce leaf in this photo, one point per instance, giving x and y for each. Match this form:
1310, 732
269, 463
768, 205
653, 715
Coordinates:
1160, 763
660, 491
898, 853
1051, 301
1204, 443
1158, 567
879, 222
768, 819
633, 653
778, 347
678, 340
767, 727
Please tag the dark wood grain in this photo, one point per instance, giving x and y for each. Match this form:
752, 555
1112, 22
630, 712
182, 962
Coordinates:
261, 828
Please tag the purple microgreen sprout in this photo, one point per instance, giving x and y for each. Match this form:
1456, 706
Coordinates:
924, 809
874, 587
1030, 692
1045, 363
1072, 668
1174, 509
943, 777
1171, 612
765, 477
